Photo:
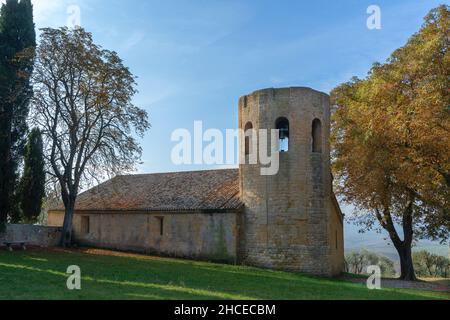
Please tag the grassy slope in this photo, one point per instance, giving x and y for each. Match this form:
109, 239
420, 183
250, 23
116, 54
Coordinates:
41, 275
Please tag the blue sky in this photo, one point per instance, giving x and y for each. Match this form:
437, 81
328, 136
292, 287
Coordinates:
194, 59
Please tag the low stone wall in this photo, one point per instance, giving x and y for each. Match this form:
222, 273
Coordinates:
33, 235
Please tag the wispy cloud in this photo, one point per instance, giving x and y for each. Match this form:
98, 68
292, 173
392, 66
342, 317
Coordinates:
44, 10
52, 13
134, 39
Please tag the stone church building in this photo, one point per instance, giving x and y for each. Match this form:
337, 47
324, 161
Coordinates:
288, 221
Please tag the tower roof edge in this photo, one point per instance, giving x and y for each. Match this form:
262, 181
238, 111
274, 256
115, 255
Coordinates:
286, 90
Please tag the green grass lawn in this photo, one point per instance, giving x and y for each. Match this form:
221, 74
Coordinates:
41, 275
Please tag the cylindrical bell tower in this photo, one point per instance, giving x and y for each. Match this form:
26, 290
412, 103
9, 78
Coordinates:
289, 217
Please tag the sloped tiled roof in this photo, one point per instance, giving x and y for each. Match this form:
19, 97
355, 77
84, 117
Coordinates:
181, 191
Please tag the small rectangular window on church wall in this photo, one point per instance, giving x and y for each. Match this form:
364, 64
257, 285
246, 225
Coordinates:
337, 240
85, 225
161, 225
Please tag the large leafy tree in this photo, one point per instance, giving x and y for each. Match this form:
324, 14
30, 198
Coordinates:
391, 136
32, 184
82, 104
17, 43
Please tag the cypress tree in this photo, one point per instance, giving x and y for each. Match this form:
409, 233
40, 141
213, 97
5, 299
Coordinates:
17, 44
32, 185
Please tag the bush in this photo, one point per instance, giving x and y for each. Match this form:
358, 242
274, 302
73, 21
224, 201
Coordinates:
357, 262
427, 264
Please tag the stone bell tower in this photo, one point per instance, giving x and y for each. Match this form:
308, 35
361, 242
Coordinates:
291, 219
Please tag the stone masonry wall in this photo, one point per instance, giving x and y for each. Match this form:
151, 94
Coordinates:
206, 236
34, 235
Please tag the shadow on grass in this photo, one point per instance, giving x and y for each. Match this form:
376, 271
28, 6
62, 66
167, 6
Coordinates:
42, 276
138, 289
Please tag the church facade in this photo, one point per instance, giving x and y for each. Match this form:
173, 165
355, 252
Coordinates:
287, 221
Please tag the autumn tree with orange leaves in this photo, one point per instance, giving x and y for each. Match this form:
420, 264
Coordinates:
391, 137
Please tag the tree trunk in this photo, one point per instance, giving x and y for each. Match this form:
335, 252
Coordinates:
403, 247
66, 235
406, 263
6, 184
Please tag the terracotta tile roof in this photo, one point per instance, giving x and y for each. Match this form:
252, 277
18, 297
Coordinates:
181, 191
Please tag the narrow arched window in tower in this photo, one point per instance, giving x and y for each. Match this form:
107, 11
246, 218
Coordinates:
282, 124
317, 136
248, 138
